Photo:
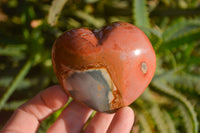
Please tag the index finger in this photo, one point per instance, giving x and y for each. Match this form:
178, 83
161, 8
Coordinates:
26, 118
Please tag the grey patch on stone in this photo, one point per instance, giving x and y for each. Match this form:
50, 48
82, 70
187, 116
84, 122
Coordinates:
91, 88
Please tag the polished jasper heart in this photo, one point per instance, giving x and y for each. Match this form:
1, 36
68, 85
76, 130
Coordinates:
105, 69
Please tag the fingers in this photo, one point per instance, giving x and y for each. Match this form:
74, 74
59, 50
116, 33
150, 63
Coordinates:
99, 123
122, 121
46, 102
21, 122
72, 119
26, 119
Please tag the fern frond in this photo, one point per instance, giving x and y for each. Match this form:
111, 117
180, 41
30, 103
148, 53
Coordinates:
165, 89
141, 107
188, 82
154, 111
158, 118
170, 123
181, 31
185, 81
145, 128
183, 39
173, 28
186, 118
179, 28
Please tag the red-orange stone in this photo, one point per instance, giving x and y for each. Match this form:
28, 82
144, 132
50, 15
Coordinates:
120, 48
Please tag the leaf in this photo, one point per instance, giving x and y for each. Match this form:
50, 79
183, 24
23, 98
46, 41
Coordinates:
157, 116
145, 128
186, 118
140, 13
189, 37
141, 106
180, 27
154, 111
97, 22
55, 10
180, 32
25, 69
155, 32
24, 84
188, 82
13, 105
173, 28
165, 89
169, 122
13, 50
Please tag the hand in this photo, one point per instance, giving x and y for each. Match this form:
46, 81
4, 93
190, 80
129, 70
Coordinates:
26, 118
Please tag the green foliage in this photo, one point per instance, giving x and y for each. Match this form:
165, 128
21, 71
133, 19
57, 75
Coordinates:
140, 13
15, 82
163, 88
171, 102
143, 123
57, 6
169, 122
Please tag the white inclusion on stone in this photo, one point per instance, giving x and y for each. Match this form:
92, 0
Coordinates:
106, 76
110, 96
144, 68
111, 84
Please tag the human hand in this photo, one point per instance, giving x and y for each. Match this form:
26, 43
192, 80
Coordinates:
27, 118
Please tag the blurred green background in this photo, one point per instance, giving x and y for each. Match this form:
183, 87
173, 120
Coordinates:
171, 103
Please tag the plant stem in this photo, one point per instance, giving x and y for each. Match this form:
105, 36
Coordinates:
25, 69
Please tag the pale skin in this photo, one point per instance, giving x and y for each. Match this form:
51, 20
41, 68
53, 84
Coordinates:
27, 118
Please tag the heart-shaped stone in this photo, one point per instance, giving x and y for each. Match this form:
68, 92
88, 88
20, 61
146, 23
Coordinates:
105, 69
